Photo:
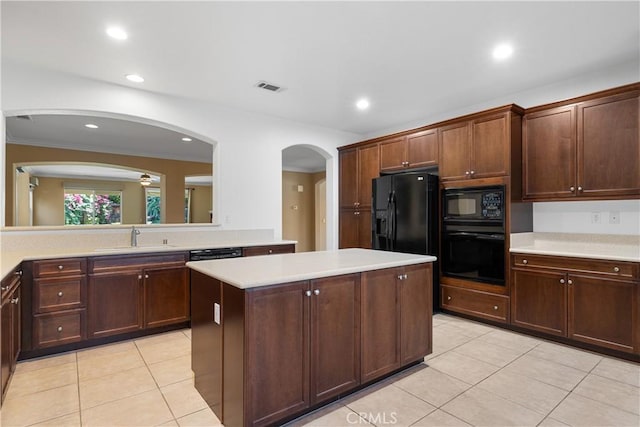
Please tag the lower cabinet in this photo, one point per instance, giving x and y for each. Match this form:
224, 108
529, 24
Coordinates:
485, 305
396, 327
130, 293
10, 327
355, 228
276, 351
590, 301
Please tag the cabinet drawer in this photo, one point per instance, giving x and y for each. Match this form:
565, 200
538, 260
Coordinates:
59, 267
583, 265
119, 263
475, 303
59, 328
58, 294
268, 250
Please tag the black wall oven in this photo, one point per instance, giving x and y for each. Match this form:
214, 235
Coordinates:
473, 234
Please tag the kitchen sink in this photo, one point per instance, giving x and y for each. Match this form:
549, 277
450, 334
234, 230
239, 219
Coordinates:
132, 248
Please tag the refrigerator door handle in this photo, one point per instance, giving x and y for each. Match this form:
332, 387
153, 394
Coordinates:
387, 229
392, 220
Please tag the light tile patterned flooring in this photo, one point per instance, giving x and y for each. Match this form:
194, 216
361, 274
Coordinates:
477, 375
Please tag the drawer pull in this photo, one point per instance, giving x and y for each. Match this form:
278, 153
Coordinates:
60, 294
60, 267
4, 288
270, 251
495, 307
19, 273
562, 281
449, 298
15, 300
524, 261
59, 328
616, 269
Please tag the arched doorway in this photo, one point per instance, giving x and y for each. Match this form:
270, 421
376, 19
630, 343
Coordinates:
304, 207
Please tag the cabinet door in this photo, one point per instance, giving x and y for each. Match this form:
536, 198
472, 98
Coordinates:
416, 310
364, 229
166, 296
491, 151
348, 178
368, 168
277, 340
15, 327
422, 148
539, 301
608, 146
5, 343
549, 151
114, 305
380, 323
393, 154
349, 236
335, 336
455, 146
604, 312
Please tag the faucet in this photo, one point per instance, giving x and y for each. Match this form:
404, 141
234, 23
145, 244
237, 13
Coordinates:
134, 236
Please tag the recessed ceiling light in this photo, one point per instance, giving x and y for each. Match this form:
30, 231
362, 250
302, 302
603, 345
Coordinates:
91, 126
186, 139
117, 33
502, 51
134, 78
362, 104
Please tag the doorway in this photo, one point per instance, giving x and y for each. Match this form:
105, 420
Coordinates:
304, 198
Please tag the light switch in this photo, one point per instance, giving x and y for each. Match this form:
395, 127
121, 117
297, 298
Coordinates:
216, 313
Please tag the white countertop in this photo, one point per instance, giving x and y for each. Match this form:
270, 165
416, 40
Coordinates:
596, 246
245, 273
10, 259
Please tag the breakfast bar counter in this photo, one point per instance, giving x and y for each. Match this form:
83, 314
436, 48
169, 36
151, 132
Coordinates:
274, 337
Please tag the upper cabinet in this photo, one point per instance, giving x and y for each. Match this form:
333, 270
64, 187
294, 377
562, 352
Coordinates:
358, 166
583, 150
480, 147
416, 150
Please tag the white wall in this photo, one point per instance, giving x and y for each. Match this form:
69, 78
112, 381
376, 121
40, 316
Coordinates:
593, 217
247, 156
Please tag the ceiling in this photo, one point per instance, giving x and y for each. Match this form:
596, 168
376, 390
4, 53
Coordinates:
410, 59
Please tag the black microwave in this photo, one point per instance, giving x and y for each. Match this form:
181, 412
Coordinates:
475, 204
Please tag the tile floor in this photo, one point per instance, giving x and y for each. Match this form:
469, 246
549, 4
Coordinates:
477, 375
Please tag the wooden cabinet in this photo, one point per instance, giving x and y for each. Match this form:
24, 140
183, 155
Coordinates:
582, 149
415, 150
355, 228
59, 301
480, 147
591, 301
268, 250
129, 293
10, 327
477, 303
396, 318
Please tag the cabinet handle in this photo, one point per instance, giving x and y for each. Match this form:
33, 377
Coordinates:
139, 276
466, 172
616, 269
404, 276
59, 328
146, 276
15, 300
449, 298
19, 273
60, 267
308, 293
399, 276
316, 292
572, 189
270, 251
60, 293
356, 213
524, 261
570, 282
562, 281
472, 173
4, 288
579, 188
495, 307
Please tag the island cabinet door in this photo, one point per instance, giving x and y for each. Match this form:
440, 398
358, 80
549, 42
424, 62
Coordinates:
277, 356
380, 323
335, 336
416, 312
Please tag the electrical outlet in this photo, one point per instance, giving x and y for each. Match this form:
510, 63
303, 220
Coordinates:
614, 217
595, 218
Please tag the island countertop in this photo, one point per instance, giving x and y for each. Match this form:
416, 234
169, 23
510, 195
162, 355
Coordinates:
246, 273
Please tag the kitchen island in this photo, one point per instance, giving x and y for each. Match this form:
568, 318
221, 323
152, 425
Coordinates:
276, 337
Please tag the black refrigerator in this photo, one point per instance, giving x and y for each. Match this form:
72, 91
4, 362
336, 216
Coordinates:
405, 216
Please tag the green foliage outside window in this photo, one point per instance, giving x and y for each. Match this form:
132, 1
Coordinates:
91, 208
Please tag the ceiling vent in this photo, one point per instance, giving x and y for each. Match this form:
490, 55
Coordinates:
268, 86
24, 117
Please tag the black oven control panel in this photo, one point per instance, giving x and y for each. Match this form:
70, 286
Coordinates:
492, 204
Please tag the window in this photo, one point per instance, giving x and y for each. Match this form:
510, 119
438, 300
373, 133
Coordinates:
152, 198
82, 206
